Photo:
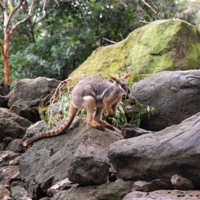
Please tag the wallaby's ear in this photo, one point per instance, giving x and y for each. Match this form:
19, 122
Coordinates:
127, 75
113, 78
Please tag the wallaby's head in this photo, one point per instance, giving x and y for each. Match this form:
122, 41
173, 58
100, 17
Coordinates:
122, 82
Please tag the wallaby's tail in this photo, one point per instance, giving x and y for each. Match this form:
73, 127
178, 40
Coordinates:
65, 126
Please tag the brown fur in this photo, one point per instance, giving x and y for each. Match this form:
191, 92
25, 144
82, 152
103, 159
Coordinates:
90, 93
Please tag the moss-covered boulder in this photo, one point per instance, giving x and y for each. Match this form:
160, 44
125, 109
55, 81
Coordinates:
158, 46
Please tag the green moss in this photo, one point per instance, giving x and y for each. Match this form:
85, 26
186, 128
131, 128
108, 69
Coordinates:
158, 46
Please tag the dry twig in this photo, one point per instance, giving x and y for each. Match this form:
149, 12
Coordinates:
59, 86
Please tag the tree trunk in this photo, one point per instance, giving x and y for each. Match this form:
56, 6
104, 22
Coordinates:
6, 59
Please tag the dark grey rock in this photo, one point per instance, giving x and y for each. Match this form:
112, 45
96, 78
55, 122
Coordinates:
4, 191
2, 145
88, 170
16, 146
13, 126
49, 160
108, 191
18, 192
4, 91
7, 156
157, 184
174, 94
130, 130
27, 95
6, 172
181, 183
160, 155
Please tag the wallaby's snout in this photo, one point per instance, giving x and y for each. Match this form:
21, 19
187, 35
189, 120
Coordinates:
128, 91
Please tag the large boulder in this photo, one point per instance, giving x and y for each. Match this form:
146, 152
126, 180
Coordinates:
109, 191
174, 94
159, 46
160, 155
12, 125
82, 151
27, 95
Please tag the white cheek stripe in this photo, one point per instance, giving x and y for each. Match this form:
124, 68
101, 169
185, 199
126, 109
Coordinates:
122, 88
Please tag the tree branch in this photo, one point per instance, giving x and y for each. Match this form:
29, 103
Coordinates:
3, 6
156, 14
13, 11
109, 41
28, 16
39, 20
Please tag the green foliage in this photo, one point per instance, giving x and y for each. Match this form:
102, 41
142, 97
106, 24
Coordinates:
58, 44
142, 110
119, 119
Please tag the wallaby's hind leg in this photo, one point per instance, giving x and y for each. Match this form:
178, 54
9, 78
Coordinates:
98, 118
90, 104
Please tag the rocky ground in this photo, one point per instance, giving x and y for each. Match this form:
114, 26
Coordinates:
159, 160
85, 163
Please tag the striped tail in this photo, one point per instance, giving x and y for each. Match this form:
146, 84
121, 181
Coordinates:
65, 126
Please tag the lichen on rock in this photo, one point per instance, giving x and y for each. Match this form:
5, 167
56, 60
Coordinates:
159, 46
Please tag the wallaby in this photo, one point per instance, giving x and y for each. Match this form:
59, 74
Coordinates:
90, 93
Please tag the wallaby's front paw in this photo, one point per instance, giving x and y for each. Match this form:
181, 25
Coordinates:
110, 127
111, 115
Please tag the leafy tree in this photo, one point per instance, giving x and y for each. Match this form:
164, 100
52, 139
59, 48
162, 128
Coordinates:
9, 11
7, 33
65, 37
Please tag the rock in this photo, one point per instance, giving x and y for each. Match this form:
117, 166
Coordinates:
163, 195
160, 155
4, 101
4, 192
159, 46
13, 125
130, 130
6, 156
15, 161
175, 95
49, 160
7, 198
45, 198
7, 140
157, 184
17, 192
2, 146
4, 90
15, 177
16, 146
88, 170
6, 172
181, 183
24, 198
35, 129
62, 185
108, 191
27, 95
